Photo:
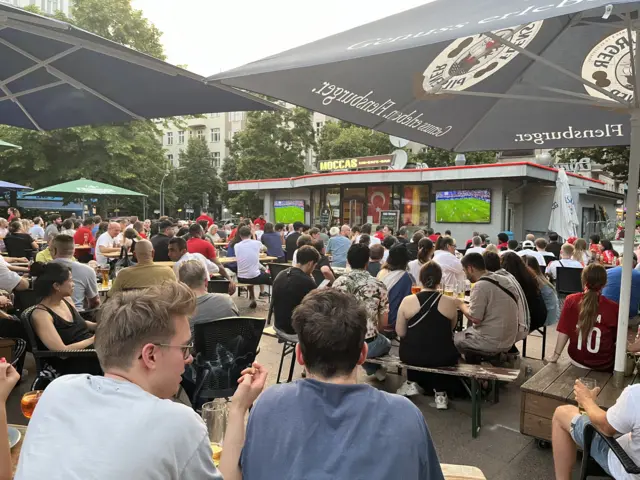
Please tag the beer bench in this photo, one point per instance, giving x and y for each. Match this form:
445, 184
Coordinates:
552, 387
464, 371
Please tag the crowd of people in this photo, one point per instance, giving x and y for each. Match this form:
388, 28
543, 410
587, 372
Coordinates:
347, 294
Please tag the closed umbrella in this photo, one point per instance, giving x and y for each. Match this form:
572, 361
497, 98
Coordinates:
470, 75
564, 219
8, 146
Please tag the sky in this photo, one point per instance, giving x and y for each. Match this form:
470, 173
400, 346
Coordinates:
211, 36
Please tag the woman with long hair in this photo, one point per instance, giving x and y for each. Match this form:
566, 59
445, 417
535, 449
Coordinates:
56, 322
547, 290
425, 324
580, 251
397, 280
609, 255
589, 322
19, 243
513, 263
425, 253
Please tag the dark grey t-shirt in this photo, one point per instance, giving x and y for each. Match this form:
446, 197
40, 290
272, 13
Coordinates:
315, 430
213, 306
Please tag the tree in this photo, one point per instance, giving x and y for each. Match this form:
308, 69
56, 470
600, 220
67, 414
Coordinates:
272, 145
344, 140
197, 176
437, 157
615, 160
128, 155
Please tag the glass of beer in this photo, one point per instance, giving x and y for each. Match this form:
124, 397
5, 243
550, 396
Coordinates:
448, 290
104, 271
29, 401
214, 415
415, 289
590, 383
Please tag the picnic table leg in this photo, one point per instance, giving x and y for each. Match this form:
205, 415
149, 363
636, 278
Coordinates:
474, 408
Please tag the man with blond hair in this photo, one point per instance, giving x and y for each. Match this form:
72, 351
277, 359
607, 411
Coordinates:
125, 421
566, 261
108, 243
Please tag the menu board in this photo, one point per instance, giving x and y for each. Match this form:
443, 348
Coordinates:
390, 218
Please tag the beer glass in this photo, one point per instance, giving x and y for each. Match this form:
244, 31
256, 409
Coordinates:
214, 415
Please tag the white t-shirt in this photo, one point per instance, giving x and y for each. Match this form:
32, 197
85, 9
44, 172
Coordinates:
414, 268
8, 279
532, 253
208, 265
248, 258
372, 240
479, 250
567, 263
624, 416
105, 240
95, 427
452, 271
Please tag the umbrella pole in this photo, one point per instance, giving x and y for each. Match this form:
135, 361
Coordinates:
629, 235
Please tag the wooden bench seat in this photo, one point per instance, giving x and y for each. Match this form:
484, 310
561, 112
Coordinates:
463, 371
461, 472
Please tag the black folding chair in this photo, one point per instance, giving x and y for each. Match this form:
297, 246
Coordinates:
276, 268
224, 348
218, 286
590, 468
45, 357
568, 280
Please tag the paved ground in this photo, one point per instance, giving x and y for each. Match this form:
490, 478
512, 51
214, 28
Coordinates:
500, 450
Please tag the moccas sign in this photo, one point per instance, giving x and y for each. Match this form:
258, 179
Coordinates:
355, 163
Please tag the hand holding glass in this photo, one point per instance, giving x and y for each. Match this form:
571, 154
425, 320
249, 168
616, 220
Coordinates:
590, 383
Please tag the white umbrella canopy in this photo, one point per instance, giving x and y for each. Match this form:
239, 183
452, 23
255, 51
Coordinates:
470, 75
564, 219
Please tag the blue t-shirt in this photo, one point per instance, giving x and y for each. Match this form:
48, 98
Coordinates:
612, 288
315, 430
273, 242
397, 293
338, 247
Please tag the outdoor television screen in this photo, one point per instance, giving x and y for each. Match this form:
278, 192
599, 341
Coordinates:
289, 211
463, 206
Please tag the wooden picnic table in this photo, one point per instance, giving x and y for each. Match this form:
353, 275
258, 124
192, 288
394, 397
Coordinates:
116, 254
15, 451
83, 247
461, 472
552, 387
263, 258
221, 244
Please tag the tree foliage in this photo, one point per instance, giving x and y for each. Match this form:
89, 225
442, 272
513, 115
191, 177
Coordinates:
128, 155
272, 145
615, 160
197, 175
344, 140
437, 157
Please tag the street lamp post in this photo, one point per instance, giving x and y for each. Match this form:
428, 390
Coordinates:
166, 174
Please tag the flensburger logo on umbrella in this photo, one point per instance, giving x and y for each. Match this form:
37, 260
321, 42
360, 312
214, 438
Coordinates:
469, 60
608, 65
95, 189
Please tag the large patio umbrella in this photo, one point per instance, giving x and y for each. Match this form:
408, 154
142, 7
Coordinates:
471, 75
6, 186
55, 75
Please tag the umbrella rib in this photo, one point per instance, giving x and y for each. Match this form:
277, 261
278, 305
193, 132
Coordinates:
39, 63
32, 90
550, 64
7, 92
632, 54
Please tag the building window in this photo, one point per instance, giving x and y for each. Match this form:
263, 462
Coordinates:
170, 159
215, 134
190, 133
200, 133
215, 115
236, 116
169, 138
215, 160
180, 137
319, 126
415, 205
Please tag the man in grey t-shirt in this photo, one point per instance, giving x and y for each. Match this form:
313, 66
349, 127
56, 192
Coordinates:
209, 306
328, 422
85, 285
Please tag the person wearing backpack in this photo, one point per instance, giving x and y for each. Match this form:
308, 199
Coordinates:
493, 310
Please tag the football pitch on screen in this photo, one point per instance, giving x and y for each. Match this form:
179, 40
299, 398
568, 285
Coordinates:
289, 214
466, 210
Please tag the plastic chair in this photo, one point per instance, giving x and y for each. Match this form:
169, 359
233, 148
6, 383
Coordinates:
43, 356
218, 286
568, 280
590, 468
224, 348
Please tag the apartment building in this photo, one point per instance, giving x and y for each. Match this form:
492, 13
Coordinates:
215, 128
47, 6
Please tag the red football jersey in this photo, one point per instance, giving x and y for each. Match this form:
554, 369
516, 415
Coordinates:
198, 245
598, 350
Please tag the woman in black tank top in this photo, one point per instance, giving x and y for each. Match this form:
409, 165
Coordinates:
425, 324
56, 322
